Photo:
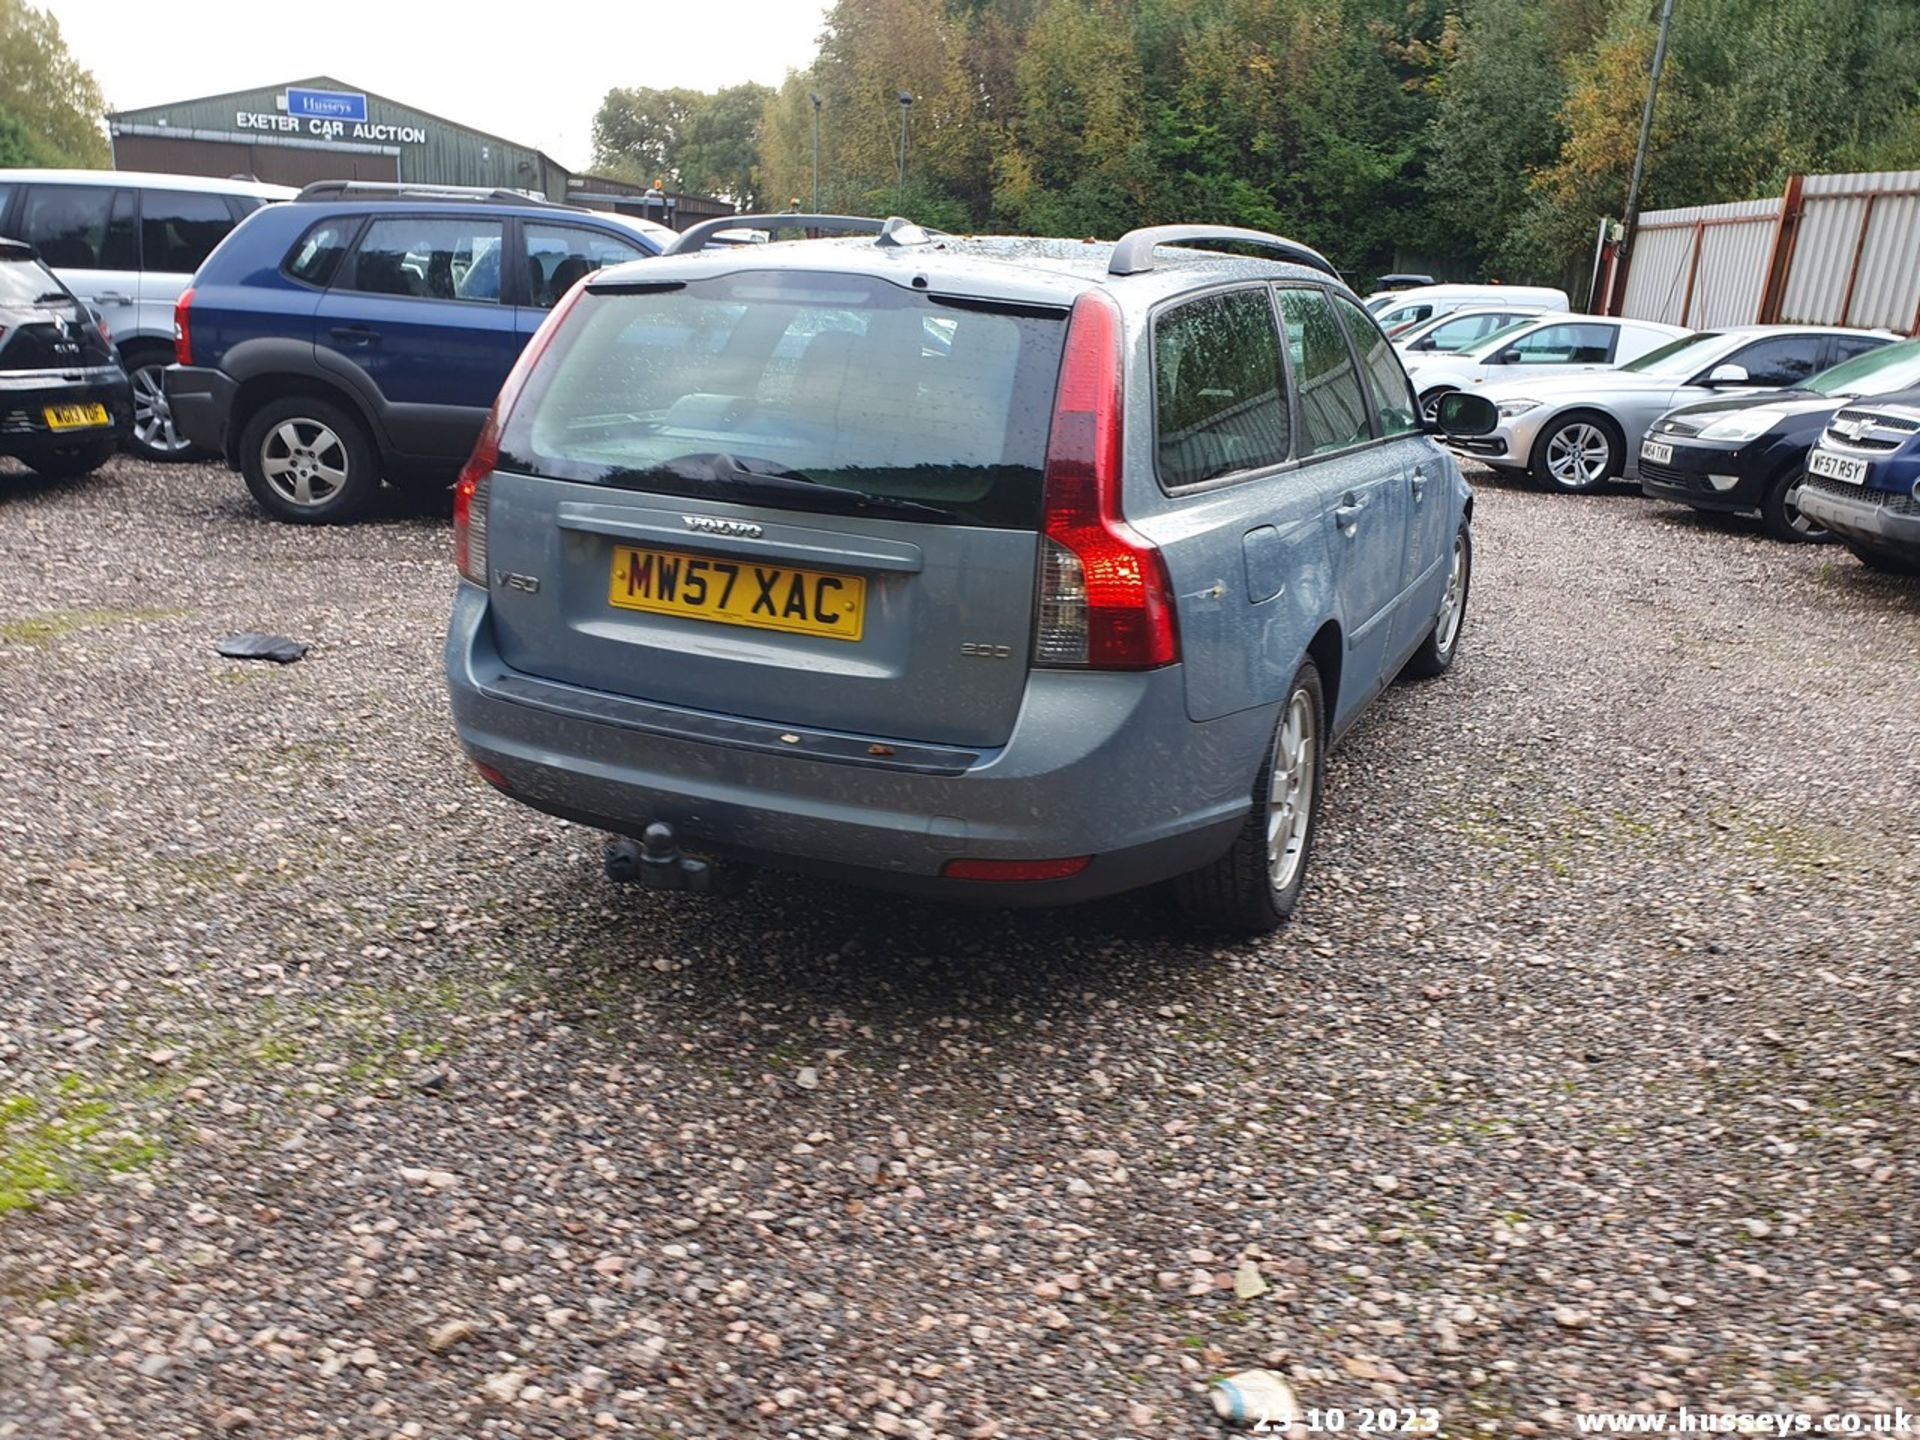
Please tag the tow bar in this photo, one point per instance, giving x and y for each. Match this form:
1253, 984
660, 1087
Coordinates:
657, 861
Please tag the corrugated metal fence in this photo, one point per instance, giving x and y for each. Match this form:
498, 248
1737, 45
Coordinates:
1833, 250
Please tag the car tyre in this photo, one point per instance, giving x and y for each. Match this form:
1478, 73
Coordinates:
1436, 652
1430, 402
72, 462
153, 435
1883, 562
1254, 886
1579, 453
1781, 518
309, 461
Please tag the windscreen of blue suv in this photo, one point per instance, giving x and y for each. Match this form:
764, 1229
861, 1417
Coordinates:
359, 333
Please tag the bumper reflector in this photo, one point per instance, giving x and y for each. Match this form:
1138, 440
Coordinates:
1015, 869
492, 776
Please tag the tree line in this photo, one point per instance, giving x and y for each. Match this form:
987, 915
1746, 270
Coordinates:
50, 105
1481, 137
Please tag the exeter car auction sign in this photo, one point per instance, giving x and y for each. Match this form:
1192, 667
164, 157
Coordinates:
328, 115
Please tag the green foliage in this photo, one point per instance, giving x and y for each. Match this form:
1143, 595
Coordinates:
1492, 134
50, 106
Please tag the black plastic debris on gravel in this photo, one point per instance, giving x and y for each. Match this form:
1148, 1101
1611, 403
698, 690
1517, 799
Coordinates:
254, 646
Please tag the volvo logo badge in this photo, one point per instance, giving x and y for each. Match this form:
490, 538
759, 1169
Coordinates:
712, 525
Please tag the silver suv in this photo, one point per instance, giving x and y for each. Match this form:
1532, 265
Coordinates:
1010, 569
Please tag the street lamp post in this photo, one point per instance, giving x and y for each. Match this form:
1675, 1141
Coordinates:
814, 96
906, 104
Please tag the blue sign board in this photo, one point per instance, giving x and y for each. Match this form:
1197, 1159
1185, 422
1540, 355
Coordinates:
326, 105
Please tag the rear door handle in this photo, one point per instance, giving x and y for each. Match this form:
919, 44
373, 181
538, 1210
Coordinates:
113, 297
355, 334
1347, 516
1419, 485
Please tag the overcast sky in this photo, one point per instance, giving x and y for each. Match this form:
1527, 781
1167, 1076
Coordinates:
528, 71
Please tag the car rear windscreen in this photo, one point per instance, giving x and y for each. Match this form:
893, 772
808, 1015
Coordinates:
23, 281
802, 391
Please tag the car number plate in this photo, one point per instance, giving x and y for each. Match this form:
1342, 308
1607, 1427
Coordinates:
1844, 468
75, 417
738, 592
1656, 453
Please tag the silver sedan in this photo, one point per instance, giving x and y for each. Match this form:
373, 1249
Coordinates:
1578, 432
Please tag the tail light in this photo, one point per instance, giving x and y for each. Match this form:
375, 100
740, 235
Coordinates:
1105, 601
183, 327
470, 490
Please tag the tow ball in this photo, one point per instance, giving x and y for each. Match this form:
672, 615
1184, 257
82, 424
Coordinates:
657, 861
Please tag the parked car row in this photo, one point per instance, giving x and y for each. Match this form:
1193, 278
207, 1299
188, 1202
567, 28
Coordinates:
1749, 419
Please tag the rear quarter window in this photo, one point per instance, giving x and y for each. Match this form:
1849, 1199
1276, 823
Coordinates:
316, 255
848, 382
1220, 403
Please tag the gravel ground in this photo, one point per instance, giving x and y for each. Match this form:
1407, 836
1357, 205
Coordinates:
341, 1097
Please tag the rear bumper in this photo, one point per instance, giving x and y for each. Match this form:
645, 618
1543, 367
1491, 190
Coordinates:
201, 400
1103, 765
25, 396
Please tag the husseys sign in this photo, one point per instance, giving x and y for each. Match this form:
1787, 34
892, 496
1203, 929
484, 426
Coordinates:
328, 115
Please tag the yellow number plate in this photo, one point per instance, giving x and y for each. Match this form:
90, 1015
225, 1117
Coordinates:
75, 417
738, 592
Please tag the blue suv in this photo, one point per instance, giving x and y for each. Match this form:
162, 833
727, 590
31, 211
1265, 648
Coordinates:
362, 330
1863, 481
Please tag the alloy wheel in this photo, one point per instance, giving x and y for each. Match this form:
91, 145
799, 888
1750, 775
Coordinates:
1290, 789
1447, 628
304, 462
152, 415
1578, 454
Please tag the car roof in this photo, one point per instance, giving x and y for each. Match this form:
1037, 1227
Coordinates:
1796, 330
1035, 270
149, 180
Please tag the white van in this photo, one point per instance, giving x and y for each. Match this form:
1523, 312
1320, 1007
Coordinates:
1410, 307
127, 243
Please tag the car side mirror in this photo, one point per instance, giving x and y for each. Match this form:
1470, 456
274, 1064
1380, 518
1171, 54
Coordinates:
1425, 342
1462, 415
1728, 375
1503, 357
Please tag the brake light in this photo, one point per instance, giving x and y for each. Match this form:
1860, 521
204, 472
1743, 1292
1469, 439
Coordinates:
470, 490
1015, 869
1105, 602
183, 327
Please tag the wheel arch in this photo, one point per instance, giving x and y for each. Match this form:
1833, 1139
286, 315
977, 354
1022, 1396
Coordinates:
1326, 650
262, 389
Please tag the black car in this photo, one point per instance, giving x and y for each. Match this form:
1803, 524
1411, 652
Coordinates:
1748, 453
65, 403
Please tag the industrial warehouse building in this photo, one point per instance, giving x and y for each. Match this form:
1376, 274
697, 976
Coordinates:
324, 129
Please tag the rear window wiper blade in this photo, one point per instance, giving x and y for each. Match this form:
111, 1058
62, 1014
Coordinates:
761, 474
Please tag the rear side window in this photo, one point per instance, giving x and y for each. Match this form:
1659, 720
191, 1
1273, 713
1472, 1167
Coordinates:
1392, 393
178, 231
430, 258
558, 255
316, 255
1219, 391
79, 227
1845, 347
27, 282
1567, 345
793, 389
1333, 406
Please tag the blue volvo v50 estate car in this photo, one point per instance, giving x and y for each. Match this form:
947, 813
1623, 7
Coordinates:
1009, 569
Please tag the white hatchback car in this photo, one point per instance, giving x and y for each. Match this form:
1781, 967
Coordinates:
1551, 345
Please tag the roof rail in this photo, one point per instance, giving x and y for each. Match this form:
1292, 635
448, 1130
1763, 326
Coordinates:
892, 231
391, 190
1133, 255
